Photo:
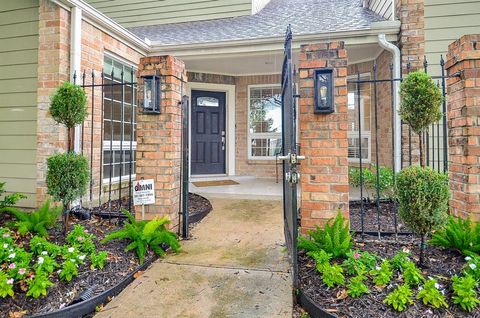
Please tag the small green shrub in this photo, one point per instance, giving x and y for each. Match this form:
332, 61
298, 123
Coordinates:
145, 234
67, 176
68, 105
38, 221
335, 238
321, 258
382, 274
68, 271
423, 197
412, 275
332, 275
464, 292
459, 234
356, 287
98, 260
6, 285
369, 177
473, 267
80, 239
8, 200
38, 286
400, 260
400, 298
420, 101
357, 260
431, 295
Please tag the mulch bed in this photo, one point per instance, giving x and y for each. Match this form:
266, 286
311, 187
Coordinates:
387, 215
118, 266
442, 264
196, 205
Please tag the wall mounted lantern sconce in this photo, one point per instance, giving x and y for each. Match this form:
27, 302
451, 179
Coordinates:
152, 94
324, 94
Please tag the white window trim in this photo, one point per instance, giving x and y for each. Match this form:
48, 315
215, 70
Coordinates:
365, 133
260, 135
116, 147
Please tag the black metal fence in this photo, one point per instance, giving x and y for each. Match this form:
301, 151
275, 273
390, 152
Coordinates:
108, 139
373, 165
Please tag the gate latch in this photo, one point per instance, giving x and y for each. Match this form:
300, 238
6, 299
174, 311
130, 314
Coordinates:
292, 177
293, 158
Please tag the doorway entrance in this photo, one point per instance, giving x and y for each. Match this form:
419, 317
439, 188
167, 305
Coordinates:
208, 139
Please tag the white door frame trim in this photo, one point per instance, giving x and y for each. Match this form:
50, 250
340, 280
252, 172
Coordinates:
229, 91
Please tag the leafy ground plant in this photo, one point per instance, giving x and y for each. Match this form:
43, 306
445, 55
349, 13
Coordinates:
356, 260
321, 258
431, 295
400, 298
382, 274
332, 275
464, 292
356, 287
473, 267
145, 234
334, 238
459, 234
400, 260
10, 199
38, 221
412, 275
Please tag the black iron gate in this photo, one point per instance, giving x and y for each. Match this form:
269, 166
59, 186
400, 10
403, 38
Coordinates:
185, 167
289, 154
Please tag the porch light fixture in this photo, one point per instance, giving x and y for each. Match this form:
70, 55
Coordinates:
323, 84
152, 94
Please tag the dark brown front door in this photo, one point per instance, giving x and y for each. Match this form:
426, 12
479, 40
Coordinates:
208, 132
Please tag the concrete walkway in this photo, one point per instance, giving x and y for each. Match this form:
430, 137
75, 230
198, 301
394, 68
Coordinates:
235, 265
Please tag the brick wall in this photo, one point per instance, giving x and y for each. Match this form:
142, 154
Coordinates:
53, 69
159, 137
323, 138
412, 45
464, 125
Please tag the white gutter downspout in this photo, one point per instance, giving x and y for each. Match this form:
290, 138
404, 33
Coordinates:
76, 58
382, 41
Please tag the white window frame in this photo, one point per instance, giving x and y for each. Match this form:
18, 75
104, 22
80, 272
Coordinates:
364, 133
258, 135
116, 143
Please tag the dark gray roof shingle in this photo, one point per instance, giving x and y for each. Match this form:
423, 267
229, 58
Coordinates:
305, 16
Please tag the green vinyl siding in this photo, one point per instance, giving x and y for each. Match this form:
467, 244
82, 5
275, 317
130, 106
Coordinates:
446, 21
18, 96
132, 13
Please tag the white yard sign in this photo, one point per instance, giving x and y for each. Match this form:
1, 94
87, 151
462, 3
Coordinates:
144, 192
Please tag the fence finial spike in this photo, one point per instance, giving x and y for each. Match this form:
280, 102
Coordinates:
442, 61
425, 63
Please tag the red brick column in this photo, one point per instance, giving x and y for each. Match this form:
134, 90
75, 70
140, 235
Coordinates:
53, 70
323, 138
463, 115
159, 136
411, 41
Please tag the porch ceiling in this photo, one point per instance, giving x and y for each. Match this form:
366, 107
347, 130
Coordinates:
269, 62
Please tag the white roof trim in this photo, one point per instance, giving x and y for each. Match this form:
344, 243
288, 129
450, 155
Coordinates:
92, 15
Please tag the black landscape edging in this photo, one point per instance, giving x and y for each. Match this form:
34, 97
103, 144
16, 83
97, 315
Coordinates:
197, 216
313, 310
88, 306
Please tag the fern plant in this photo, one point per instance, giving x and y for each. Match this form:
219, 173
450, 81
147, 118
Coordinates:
335, 238
10, 199
459, 234
38, 221
145, 234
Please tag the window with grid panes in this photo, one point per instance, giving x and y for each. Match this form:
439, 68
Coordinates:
119, 133
265, 122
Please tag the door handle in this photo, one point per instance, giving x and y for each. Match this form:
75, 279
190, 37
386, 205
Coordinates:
223, 142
